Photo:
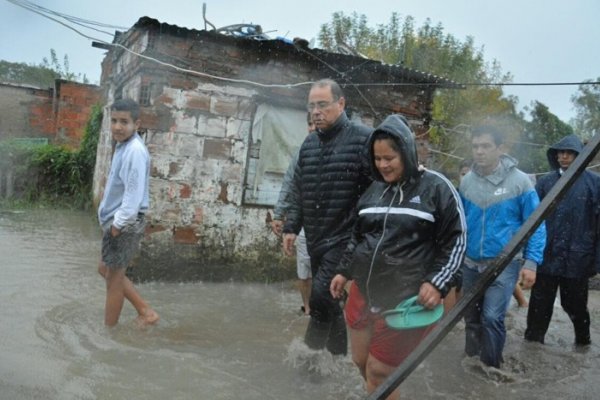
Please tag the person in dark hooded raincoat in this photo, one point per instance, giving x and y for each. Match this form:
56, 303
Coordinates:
409, 239
572, 253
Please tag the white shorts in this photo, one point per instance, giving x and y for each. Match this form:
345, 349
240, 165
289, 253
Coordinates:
302, 257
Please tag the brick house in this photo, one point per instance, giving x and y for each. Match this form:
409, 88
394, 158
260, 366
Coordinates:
222, 115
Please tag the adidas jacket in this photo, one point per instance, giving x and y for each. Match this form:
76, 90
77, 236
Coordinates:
406, 233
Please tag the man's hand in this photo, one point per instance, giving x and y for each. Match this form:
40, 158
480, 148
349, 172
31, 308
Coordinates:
336, 288
288, 244
277, 226
527, 278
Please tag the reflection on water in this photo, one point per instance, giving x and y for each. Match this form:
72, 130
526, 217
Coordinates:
219, 341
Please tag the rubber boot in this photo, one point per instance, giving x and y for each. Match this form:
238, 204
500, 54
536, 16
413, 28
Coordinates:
337, 342
317, 334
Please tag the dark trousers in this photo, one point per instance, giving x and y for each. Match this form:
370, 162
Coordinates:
573, 299
327, 328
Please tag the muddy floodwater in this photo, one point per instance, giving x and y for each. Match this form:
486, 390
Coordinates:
222, 340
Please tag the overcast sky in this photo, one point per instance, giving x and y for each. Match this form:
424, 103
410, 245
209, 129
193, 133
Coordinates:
535, 40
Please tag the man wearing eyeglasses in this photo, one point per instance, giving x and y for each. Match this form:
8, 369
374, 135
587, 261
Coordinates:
331, 173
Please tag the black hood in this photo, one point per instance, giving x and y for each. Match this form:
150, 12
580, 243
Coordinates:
397, 126
570, 142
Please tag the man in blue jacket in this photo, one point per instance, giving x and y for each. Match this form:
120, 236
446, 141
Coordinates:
498, 198
572, 253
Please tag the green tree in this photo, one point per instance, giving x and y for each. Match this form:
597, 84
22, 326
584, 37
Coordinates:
62, 70
543, 130
22, 73
429, 48
587, 106
42, 75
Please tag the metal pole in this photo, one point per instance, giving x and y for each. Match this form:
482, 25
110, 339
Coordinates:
510, 250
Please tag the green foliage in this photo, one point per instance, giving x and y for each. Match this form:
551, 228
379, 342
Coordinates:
54, 174
42, 75
86, 156
15, 160
587, 106
62, 69
543, 130
428, 48
22, 73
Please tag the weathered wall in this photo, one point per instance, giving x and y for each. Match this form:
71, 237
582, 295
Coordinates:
26, 112
59, 114
73, 104
198, 131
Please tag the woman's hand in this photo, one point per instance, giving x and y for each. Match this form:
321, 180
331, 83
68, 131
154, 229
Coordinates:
337, 286
429, 296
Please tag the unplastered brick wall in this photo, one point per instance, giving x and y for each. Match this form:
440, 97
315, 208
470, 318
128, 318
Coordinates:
26, 112
34, 113
75, 102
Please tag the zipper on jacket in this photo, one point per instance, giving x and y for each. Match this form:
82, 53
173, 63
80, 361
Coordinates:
381, 240
481, 241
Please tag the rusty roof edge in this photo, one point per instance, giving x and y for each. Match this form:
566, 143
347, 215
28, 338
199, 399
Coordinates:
417, 76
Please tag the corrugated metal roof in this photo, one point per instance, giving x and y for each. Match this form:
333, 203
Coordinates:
398, 74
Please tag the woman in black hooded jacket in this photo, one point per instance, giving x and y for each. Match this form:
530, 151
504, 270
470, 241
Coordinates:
409, 239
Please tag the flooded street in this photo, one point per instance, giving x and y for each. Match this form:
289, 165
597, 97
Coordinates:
221, 340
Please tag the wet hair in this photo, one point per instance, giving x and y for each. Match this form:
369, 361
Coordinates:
336, 90
383, 135
491, 130
127, 105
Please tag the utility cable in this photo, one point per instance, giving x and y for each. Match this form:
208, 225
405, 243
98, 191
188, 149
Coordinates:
34, 8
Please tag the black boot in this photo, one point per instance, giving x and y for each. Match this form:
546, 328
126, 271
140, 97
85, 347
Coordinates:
337, 342
317, 334
583, 339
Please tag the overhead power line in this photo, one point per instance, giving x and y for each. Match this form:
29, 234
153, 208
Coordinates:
80, 21
50, 14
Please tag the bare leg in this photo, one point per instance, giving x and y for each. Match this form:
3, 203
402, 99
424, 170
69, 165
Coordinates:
520, 297
450, 300
146, 315
115, 295
377, 373
359, 345
304, 285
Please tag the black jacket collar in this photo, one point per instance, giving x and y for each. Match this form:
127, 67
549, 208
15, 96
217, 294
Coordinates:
338, 126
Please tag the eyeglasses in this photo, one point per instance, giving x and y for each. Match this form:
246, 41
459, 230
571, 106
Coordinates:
320, 105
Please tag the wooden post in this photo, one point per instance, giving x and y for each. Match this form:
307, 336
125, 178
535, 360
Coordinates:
504, 258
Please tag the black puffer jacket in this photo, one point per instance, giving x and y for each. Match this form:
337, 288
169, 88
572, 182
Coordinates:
331, 174
573, 228
406, 233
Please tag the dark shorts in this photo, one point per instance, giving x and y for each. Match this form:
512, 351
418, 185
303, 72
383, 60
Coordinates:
389, 346
118, 251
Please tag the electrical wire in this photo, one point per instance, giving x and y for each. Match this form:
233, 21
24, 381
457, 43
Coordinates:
32, 7
83, 22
